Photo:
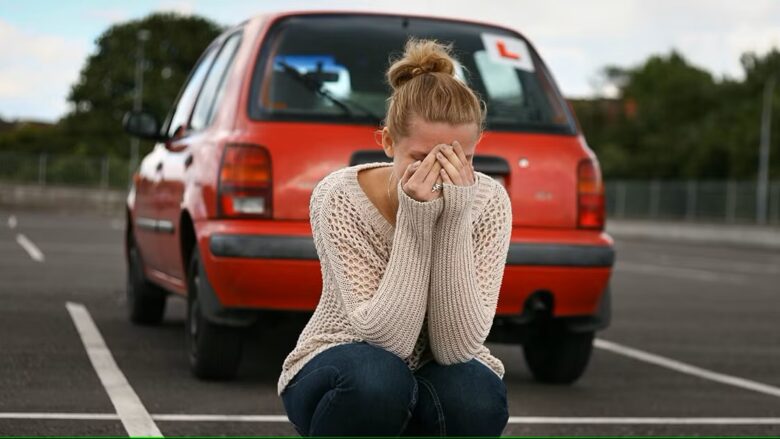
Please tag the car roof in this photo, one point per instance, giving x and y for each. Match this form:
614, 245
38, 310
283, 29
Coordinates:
278, 14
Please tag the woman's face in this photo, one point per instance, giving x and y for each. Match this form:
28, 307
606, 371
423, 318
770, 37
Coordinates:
423, 137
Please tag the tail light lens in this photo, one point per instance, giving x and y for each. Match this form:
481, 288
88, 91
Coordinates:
590, 195
245, 184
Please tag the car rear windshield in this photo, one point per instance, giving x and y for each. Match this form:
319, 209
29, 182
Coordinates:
331, 68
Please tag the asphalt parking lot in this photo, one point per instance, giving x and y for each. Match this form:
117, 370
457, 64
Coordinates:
694, 347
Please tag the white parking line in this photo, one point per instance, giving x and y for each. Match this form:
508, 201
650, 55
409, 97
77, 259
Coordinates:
63, 416
682, 272
35, 253
661, 421
512, 419
719, 264
221, 418
131, 411
12, 222
679, 366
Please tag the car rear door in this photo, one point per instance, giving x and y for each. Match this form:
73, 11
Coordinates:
180, 154
144, 222
161, 227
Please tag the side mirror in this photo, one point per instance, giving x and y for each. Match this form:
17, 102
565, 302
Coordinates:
142, 124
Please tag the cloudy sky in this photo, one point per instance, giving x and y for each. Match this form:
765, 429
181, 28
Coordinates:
44, 43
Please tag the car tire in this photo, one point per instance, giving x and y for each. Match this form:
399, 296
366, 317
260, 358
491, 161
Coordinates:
145, 301
558, 356
214, 350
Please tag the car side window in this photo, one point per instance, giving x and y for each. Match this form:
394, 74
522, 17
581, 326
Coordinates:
214, 85
500, 80
183, 106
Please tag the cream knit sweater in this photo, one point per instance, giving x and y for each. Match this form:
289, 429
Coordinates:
424, 289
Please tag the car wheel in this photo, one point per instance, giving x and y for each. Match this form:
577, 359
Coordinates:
558, 356
214, 350
145, 301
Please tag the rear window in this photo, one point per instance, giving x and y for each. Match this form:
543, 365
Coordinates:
330, 68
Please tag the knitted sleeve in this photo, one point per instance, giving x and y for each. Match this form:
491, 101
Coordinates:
384, 302
467, 271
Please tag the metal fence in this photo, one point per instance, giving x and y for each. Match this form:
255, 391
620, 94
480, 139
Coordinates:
729, 201
64, 170
693, 200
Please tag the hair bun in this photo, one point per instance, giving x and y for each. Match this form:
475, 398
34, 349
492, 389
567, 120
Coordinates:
420, 57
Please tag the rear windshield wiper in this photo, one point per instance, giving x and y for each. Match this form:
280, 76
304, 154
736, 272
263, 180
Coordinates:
316, 86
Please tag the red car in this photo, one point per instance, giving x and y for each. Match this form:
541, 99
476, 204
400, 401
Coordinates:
218, 211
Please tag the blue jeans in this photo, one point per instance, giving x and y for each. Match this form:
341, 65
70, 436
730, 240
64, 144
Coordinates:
362, 389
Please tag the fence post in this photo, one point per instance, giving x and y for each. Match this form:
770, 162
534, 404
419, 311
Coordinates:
655, 193
731, 201
620, 202
690, 204
104, 172
42, 169
776, 210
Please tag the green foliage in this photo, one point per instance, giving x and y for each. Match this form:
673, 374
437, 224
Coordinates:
106, 87
674, 120
33, 138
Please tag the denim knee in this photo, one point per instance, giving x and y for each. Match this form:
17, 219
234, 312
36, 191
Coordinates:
354, 388
372, 374
473, 398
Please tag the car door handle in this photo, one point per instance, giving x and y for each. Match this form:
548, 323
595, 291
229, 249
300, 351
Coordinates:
159, 167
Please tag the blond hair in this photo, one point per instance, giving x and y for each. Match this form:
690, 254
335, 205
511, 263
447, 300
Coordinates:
424, 84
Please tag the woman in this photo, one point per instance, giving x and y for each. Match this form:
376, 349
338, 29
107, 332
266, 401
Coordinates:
410, 276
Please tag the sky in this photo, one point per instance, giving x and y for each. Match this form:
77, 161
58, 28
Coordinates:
44, 43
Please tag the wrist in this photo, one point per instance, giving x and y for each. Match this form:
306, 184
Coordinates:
458, 199
423, 214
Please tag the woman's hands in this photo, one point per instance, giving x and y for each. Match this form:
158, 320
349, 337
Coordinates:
456, 168
447, 163
419, 177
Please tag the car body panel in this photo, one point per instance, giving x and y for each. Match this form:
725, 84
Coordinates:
177, 188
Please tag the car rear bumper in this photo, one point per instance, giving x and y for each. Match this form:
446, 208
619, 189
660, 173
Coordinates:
274, 266
302, 248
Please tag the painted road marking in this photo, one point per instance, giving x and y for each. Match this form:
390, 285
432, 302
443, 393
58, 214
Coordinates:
636, 420
131, 411
222, 418
12, 222
716, 264
679, 366
684, 273
512, 419
35, 253
64, 416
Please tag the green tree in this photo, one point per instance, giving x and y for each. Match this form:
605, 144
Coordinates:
106, 87
671, 99
674, 120
739, 118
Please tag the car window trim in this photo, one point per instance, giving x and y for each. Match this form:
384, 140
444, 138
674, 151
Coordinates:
256, 112
226, 38
169, 118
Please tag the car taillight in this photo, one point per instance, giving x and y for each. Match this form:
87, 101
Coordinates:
590, 195
245, 184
